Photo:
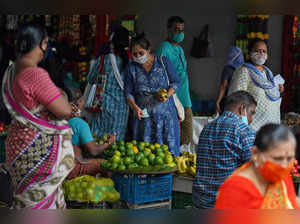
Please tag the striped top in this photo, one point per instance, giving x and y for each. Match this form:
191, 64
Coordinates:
224, 145
33, 87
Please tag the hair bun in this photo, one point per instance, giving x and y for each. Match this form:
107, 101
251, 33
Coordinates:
140, 36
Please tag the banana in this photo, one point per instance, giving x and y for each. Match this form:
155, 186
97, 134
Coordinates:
192, 171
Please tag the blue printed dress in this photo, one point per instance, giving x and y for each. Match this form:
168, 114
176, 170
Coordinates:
114, 116
162, 125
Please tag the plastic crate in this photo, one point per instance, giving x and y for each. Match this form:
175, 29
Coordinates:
2, 149
137, 189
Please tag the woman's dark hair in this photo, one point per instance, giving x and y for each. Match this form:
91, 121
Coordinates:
120, 41
174, 19
271, 135
253, 42
240, 97
140, 40
28, 37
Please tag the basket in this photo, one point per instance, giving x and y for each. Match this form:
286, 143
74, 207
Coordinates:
2, 149
137, 189
87, 205
181, 200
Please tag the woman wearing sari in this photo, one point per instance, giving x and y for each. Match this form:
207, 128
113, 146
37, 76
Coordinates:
265, 182
39, 152
258, 80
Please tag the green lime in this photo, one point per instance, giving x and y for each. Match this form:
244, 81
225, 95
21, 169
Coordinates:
116, 159
139, 156
122, 167
168, 159
84, 184
152, 147
121, 143
117, 153
114, 166
134, 142
129, 145
160, 154
151, 158
122, 148
114, 146
147, 144
130, 152
104, 164
144, 162
147, 153
158, 161
132, 166
128, 160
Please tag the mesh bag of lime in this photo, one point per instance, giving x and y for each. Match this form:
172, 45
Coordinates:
138, 156
90, 189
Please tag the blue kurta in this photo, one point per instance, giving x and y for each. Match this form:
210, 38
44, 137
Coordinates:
114, 117
176, 56
162, 125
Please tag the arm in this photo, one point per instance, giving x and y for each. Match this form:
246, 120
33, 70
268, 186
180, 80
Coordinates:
222, 90
129, 93
240, 80
87, 141
247, 143
95, 149
47, 94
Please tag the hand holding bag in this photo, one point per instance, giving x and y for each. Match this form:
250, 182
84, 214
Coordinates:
202, 45
179, 107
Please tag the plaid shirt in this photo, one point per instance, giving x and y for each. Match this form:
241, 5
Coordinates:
224, 145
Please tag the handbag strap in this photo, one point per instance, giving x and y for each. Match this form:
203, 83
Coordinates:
163, 64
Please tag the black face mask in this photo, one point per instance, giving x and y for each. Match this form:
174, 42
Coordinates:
45, 54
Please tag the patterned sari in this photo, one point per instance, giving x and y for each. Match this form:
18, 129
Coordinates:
39, 166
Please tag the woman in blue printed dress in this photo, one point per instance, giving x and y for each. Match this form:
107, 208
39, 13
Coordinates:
155, 119
113, 117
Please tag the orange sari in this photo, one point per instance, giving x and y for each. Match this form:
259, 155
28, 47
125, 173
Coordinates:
240, 192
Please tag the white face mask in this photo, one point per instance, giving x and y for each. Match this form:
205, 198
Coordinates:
141, 60
258, 58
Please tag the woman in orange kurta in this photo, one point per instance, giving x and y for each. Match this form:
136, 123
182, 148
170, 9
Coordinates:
265, 182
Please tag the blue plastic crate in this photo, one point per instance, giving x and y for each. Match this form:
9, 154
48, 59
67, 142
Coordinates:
137, 189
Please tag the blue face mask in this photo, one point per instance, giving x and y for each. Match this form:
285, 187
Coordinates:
244, 118
178, 37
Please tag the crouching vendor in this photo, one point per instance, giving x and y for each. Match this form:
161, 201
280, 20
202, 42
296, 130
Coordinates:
85, 147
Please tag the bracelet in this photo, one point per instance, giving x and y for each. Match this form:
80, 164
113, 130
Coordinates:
75, 110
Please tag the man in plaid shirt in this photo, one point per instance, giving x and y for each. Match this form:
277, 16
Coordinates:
224, 145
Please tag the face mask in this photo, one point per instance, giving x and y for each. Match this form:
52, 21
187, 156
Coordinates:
274, 172
141, 60
178, 37
258, 58
244, 118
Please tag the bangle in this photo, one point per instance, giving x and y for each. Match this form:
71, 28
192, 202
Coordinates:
75, 110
